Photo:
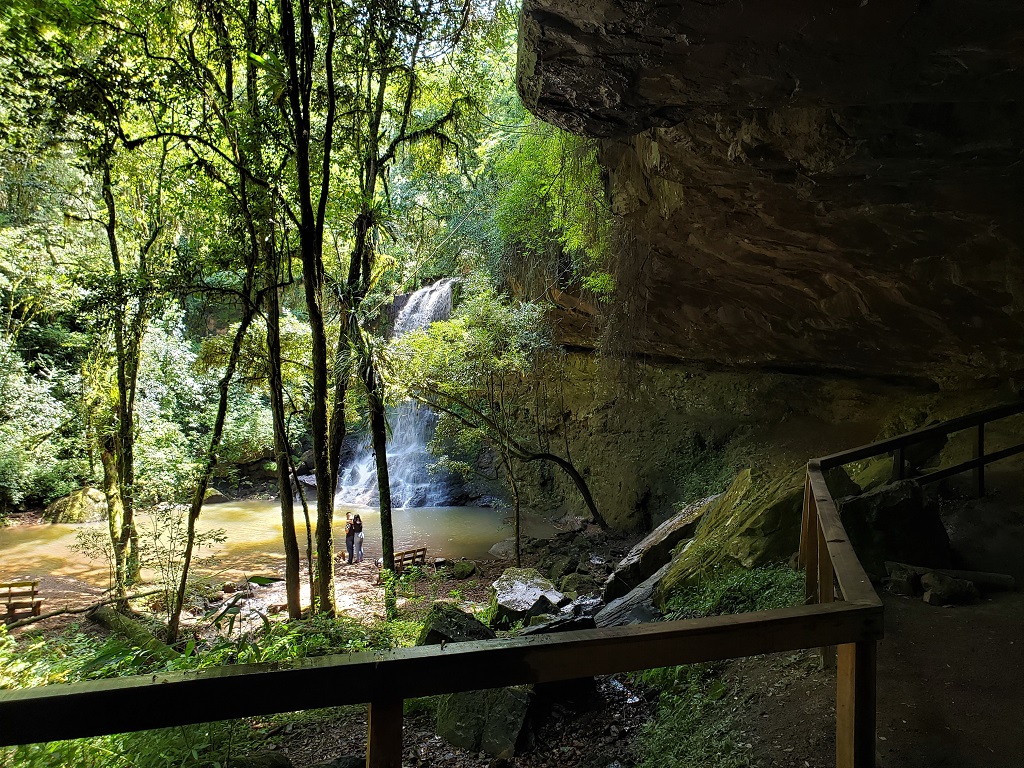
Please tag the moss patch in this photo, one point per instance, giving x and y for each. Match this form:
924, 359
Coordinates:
756, 521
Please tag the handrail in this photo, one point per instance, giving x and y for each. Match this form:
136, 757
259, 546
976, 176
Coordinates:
853, 625
829, 559
179, 698
909, 438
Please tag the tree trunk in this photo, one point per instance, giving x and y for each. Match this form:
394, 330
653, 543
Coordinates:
378, 432
115, 518
281, 447
575, 476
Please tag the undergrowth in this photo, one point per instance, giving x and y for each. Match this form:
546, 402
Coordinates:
35, 659
692, 727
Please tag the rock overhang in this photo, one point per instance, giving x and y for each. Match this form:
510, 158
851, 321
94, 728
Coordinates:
804, 188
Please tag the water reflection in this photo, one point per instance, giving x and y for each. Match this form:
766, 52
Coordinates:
254, 538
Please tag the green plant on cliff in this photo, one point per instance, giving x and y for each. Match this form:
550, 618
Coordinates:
702, 469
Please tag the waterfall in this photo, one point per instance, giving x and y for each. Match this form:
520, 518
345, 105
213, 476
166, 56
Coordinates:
412, 424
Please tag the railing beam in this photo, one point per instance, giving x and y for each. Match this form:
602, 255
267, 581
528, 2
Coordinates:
855, 705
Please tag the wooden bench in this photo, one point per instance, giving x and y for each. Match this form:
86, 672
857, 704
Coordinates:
21, 595
406, 559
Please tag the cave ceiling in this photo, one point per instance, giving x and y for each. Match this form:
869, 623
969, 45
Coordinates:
807, 186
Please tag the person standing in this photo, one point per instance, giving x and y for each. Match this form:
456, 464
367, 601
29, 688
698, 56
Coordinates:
350, 535
357, 526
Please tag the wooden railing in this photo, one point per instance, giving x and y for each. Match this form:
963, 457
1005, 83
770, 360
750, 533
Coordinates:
829, 562
852, 623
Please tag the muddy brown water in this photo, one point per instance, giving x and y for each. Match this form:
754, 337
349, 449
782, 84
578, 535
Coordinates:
253, 542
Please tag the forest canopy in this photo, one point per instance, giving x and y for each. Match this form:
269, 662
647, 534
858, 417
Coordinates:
206, 210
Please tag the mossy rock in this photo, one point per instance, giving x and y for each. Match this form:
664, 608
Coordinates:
579, 584
562, 566
86, 505
463, 569
871, 474
756, 521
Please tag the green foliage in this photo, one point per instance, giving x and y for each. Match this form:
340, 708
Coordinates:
162, 539
39, 444
691, 728
738, 590
550, 191
701, 469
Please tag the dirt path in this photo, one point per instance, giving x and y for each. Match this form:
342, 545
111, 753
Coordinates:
951, 684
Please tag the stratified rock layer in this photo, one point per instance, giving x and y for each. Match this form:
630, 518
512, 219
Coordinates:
803, 187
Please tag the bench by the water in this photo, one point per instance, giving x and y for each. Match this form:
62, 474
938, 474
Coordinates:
406, 559
19, 595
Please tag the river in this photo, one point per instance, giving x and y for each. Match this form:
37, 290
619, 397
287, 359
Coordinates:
253, 543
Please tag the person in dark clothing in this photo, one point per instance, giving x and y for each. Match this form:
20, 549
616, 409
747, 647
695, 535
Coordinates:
357, 526
350, 535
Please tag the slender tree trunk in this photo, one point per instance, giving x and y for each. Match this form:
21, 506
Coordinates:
309, 536
379, 435
516, 532
570, 469
299, 61
115, 517
281, 447
125, 346
211, 462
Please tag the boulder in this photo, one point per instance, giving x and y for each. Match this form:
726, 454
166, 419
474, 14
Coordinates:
463, 569
562, 566
213, 496
756, 521
892, 523
654, 550
86, 505
446, 623
521, 593
636, 606
579, 584
940, 589
902, 580
563, 622
503, 550
483, 721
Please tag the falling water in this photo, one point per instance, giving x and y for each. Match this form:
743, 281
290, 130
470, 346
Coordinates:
412, 425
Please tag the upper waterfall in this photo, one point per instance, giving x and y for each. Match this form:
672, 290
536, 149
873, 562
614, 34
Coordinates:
412, 425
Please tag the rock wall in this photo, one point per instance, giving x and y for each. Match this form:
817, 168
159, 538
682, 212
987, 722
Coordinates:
651, 437
821, 189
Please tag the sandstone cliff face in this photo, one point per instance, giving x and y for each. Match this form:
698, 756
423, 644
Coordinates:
804, 188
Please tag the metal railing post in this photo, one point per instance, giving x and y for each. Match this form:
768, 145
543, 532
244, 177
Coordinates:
855, 705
